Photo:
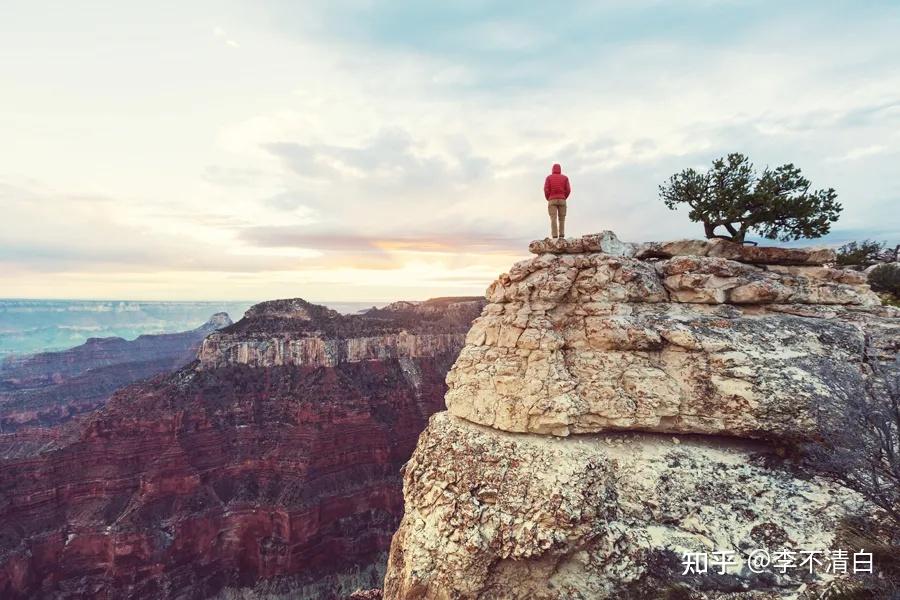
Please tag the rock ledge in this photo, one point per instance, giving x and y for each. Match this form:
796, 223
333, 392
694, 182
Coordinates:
607, 243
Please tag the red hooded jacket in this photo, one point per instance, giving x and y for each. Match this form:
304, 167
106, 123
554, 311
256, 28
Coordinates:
556, 186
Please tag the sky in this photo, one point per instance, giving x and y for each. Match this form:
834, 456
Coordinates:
354, 150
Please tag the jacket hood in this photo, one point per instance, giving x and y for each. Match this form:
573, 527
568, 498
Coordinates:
557, 169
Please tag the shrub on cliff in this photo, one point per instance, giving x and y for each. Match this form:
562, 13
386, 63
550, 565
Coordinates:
860, 254
776, 204
859, 448
886, 278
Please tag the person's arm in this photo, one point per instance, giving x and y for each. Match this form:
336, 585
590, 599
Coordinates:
568, 188
547, 188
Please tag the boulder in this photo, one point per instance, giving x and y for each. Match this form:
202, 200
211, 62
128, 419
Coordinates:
667, 367
718, 248
770, 255
605, 242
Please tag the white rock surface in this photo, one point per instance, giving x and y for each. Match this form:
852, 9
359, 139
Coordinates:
555, 473
492, 515
585, 342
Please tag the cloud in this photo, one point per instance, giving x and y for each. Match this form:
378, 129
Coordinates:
421, 242
858, 153
390, 159
232, 176
67, 234
504, 35
223, 35
353, 147
289, 200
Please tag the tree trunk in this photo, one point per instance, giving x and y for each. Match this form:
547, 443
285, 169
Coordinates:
710, 230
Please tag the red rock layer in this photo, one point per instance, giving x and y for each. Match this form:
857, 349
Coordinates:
207, 479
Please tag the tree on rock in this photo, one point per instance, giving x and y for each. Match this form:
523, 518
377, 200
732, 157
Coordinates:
776, 204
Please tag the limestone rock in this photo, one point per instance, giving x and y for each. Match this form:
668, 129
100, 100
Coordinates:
593, 277
673, 248
612, 410
500, 516
660, 367
574, 343
709, 280
717, 248
296, 332
605, 242
770, 255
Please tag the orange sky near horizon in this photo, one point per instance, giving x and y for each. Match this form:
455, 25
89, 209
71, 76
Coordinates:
365, 152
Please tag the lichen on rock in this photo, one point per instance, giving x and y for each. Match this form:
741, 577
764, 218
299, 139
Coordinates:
554, 472
504, 516
582, 342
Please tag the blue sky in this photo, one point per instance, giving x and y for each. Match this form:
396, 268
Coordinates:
361, 150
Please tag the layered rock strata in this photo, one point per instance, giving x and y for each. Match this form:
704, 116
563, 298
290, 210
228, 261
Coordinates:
49, 388
578, 341
231, 479
292, 332
617, 405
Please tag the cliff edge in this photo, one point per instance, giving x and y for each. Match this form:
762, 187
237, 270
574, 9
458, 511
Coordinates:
618, 405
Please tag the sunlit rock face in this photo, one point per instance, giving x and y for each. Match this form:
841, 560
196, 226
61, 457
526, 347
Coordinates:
295, 332
233, 478
617, 405
576, 342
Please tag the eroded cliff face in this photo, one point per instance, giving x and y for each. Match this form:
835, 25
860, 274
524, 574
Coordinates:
49, 388
617, 405
231, 477
293, 332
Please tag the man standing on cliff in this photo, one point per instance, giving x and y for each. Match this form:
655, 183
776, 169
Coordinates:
556, 190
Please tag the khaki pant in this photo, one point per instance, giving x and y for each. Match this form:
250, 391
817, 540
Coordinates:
557, 210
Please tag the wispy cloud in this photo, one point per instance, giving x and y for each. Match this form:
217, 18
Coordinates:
858, 153
356, 148
421, 242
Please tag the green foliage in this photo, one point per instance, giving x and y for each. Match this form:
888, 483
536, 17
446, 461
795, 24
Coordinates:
886, 278
863, 253
776, 204
890, 300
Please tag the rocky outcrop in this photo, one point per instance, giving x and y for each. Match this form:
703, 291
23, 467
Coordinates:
617, 405
582, 342
606, 242
228, 479
50, 388
310, 335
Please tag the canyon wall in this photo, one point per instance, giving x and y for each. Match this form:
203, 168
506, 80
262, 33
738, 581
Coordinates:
49, 388
242, 475
618, 405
